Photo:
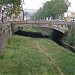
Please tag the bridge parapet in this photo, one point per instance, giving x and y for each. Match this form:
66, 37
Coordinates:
59, 23
42, 22
5, 27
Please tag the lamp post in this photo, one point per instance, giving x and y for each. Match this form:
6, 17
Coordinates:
22, 14
2, 10
22, 9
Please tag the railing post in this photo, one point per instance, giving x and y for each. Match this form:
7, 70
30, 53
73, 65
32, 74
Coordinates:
11, 24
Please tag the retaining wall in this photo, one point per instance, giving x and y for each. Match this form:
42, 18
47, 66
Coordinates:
5, 33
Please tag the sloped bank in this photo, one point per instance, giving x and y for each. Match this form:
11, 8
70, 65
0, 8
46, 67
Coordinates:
25, 55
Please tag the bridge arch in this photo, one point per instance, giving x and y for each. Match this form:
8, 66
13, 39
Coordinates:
58, 28
57, 36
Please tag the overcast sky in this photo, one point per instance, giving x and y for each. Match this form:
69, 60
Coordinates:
35, 4
72, 8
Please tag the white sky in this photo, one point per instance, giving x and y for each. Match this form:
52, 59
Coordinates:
35, 4
72, 8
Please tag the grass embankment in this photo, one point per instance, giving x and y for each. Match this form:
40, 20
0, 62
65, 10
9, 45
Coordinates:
36, 56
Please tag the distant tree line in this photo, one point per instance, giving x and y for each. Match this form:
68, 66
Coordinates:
53, 9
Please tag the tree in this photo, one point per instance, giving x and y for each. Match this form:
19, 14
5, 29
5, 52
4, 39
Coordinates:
38, 15
53, 8
11, 5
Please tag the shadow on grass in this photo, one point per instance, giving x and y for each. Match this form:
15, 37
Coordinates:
31, 34
55, 37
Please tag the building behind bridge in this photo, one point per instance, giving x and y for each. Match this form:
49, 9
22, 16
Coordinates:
69, 15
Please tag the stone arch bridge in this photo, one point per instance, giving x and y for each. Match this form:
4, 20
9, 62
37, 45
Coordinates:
61, 26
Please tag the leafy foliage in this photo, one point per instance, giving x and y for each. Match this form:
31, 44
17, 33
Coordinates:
11, 5
38, 15
70, 36
53, 8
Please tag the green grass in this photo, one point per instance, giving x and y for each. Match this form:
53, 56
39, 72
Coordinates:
22, 56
